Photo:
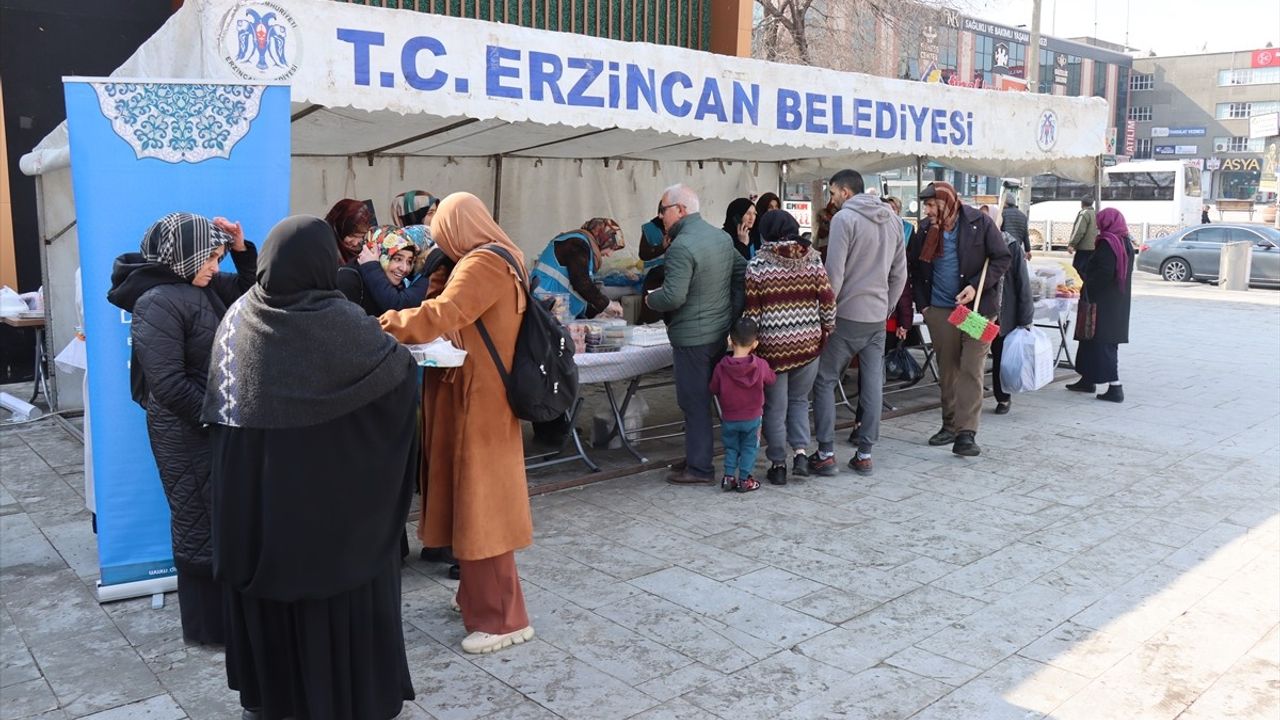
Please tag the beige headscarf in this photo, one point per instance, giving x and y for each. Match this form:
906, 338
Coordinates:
462, 224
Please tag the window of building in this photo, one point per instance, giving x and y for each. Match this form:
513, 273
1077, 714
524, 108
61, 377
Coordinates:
1239, 144
1122, 100
1138, 81
1239, 185
1046, 72
948, 47
1100, 79
908, 60
1236, 110
1249, 76
1018, 60
1141, 113
1073, 76
1143, 149
983, 58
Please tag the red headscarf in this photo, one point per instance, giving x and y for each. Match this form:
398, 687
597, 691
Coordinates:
948, 204
1114, 231
348, 217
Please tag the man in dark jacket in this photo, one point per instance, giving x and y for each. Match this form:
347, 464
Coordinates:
947, 256
1016, 310
1014, 222
704, 291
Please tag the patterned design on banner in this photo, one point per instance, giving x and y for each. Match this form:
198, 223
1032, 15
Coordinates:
179, 122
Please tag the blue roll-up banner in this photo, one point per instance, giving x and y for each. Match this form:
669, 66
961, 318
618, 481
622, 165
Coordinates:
141, 150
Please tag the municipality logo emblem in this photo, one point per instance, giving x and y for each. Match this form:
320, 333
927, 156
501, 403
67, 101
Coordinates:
260, 41
1047, 130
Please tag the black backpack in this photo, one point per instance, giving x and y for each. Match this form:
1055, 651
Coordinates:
543, 382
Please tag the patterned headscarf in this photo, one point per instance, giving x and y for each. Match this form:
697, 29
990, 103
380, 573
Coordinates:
183, 242
348, 217
388, 241
421, 237
948, 203
1114, 231
411, 208
605, 234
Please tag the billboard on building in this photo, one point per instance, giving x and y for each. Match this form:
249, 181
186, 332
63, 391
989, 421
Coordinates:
1264, 126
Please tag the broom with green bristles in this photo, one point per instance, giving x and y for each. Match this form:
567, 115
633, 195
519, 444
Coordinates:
972, 323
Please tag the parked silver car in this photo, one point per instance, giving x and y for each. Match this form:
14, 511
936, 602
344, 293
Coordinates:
1192, 253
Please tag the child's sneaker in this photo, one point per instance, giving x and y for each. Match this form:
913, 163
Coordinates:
728, 482
748, 484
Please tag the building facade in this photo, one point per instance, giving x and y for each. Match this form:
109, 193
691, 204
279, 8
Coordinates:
1199, 108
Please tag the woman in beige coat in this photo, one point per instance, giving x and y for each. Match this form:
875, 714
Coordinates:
476, 497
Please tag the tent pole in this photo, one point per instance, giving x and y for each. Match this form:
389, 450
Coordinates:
919, 187
51, 373
497, 188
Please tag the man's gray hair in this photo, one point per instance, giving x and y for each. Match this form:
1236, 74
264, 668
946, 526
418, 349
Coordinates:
681, 194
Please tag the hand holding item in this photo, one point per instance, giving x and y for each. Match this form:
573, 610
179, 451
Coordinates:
901, 332
234, 230
1071, 250
614, 310
966, 295
367, 254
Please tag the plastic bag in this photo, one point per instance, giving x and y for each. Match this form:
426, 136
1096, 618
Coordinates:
900, 364
1027, 362
11, 303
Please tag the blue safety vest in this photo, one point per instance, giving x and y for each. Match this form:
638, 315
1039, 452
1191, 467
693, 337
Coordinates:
651, 234
553, 278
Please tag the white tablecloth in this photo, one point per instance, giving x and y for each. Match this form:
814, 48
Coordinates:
625, 364
1057, 310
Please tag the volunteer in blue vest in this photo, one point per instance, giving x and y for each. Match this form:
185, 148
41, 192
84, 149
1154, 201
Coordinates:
568, 265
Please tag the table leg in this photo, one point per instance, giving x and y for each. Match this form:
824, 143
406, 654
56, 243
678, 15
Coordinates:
619, 427
40, 376
575, 436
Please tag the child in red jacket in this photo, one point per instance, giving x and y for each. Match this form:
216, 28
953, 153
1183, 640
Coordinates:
738, 382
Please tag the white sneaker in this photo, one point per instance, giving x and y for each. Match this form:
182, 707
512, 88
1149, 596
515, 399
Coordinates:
478, 643
454, 606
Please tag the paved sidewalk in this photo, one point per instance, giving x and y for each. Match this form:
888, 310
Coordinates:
1098, 561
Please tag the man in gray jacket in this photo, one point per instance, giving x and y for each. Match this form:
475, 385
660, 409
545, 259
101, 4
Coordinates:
704, 292
867, 264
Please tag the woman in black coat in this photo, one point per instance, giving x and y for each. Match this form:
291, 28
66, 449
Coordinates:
177, 298
1108, 285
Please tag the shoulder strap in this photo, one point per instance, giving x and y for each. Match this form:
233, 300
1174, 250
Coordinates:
484, 332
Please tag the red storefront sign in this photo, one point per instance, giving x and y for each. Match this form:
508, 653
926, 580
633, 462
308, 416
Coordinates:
1130, 137
1269, 57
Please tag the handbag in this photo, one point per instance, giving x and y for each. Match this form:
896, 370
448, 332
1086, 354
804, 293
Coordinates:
1086, 320
900, 364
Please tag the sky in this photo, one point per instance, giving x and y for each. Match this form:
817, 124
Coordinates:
1169, 27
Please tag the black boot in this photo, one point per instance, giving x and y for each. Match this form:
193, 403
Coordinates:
942, 437
438, 555
1081, 386
1114, 394
966, 445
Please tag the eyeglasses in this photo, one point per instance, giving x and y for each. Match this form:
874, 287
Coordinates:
664, 208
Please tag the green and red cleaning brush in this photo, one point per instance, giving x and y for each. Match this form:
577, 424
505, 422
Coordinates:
971, 322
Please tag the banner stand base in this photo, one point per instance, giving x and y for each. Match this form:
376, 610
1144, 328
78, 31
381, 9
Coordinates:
141, 588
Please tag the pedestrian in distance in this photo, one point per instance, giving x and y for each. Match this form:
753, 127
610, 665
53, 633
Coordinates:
739, 382
1084, 236
1108, 288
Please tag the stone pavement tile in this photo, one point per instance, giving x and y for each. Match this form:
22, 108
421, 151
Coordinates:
895, 511
1081, 531
773, 584
1194, 512
1107, 566
1268, 648
27, 699
833, 606
197, 679
16, 663
75, 542
1003, 571
572, 580
676, 709
1072, 492
695, 636
681, 681
1146, 604
154, 633
1015, 689
451, 688
1225, 543
607, 556
768, 687
1016, 502
1250, 690
427, 609
1163, 532
881, 693
601, 643
55, 446
854, 546
563, 684
160, 707
926, 539
95, 670
923, 570
1079, 649
696, 554
1004, 627
755, 616
936, 667
27, 552
872, 637
54, 606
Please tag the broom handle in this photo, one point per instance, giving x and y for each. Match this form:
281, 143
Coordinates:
982, 281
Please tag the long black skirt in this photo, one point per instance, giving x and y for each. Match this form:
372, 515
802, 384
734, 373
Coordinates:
1098, 362
202, 604
338, 658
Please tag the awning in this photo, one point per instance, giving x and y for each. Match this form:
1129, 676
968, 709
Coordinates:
375, 82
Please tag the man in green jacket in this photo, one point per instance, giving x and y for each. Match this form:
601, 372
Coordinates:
703, 291
1083, 236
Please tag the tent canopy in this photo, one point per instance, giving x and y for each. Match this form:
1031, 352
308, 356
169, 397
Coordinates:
372, 82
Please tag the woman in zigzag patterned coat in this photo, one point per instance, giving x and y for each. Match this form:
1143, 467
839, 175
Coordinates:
789, 296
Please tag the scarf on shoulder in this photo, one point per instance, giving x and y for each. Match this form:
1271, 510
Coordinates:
948, 215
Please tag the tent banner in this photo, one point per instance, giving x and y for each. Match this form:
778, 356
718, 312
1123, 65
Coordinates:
347, 55
139, 151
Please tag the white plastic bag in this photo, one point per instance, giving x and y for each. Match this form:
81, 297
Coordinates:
11, 303
1027, 361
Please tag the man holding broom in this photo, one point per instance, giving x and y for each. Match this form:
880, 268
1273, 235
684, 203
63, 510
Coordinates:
957, 259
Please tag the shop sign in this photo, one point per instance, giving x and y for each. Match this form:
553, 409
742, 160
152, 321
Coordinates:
1178, 132
1166, 150
1268, 57
1264, 126
1130, 137
1241, 165
1060, 69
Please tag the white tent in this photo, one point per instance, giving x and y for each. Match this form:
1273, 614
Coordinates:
553, 128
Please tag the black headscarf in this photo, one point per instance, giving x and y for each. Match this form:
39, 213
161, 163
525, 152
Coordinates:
762, 206
778, 226
732, 219
293, 351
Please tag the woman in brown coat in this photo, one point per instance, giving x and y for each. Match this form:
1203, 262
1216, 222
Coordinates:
476, 494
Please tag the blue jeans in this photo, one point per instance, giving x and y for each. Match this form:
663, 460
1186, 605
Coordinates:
741, 440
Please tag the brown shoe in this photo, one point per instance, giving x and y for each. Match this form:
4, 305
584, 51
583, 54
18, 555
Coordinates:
681, 477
